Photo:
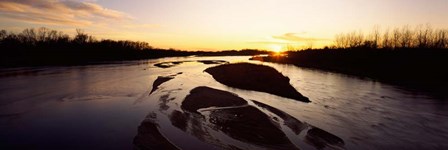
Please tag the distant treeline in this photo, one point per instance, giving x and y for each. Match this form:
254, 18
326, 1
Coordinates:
415, 58
44, 46
420, 37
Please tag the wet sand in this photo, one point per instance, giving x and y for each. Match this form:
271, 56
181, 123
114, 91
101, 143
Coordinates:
231, 115
314, 136
204, 97
255, 77
206, 110
160, 80
149, 137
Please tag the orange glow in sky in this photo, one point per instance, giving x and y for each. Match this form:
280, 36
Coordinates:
221, 24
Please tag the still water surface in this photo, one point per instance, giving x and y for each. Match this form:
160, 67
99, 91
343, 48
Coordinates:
102, 106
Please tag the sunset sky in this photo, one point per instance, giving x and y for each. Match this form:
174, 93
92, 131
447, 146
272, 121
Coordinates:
221, 24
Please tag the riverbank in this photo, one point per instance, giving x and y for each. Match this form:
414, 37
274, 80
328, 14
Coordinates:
88, 56
46, 47
414, 68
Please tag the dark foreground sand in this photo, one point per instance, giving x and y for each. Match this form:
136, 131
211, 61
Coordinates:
315, 136
162, 79
255, 77
204, 97
233, 116
149, 137
206, 110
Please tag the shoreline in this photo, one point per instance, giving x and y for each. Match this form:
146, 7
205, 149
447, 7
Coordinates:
77, 61
413, 69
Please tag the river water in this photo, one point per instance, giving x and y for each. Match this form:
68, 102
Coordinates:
102, 106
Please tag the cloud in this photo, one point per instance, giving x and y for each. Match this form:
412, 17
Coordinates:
288, 39
141, 26
270, 42
56, 12
293, 37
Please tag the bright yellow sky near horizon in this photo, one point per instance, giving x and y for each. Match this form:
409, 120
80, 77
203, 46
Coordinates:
221, 24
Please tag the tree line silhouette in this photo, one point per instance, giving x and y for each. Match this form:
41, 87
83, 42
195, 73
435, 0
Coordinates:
44, 46
420, 37
415, 58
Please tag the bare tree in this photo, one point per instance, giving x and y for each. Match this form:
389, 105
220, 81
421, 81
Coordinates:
424, 36
387, 41
375, 37
340, 41
441, 38
52, 35
396, 36
355, 39
80, 37
28, 36
406, 37
42, 34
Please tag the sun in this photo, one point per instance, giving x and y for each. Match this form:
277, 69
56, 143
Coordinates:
276, 48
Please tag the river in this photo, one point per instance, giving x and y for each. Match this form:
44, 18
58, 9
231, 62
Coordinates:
102, 106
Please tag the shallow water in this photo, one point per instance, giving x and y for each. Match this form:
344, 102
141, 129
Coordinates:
102, 106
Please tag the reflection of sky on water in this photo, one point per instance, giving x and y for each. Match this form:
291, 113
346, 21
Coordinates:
101, 106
